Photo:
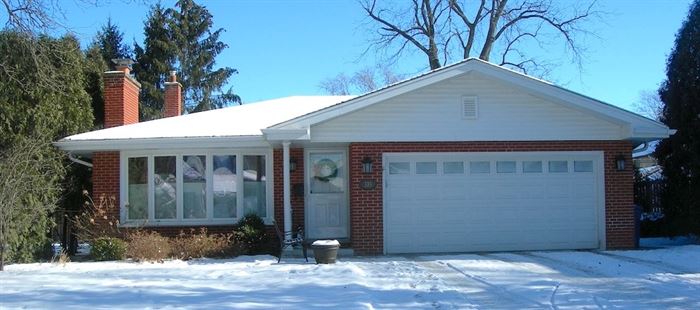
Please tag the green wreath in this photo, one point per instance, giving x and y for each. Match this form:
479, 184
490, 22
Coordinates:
323, 163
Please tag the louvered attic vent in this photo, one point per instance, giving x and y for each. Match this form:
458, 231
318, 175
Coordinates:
469, 110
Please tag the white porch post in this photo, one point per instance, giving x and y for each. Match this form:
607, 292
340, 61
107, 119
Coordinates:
286, 192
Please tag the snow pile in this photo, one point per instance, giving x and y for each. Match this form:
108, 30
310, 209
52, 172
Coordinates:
326, 243
256, 282
645, 279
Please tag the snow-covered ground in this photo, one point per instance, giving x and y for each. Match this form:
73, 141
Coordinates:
646, 279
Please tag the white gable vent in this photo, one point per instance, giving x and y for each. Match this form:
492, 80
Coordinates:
469, 110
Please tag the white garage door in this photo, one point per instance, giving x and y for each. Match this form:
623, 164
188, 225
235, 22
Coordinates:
461, 202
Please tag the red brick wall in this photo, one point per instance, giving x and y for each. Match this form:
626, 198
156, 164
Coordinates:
105, 181
173, 99
121, 94
295, 177
366, 205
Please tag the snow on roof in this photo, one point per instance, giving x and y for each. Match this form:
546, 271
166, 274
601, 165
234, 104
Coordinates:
241, 120
645, 149
652, 173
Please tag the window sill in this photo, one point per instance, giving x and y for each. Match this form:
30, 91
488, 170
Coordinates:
217, 222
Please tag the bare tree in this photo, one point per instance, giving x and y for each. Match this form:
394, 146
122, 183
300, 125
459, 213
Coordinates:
363, 81
337, 85
649, 104
443, 28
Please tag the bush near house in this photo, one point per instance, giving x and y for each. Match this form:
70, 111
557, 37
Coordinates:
198, 245
251, 236
108, 248
97, 226
146, 246
95, 221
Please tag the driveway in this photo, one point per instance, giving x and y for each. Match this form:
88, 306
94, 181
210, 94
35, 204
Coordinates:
572, 280
646, 279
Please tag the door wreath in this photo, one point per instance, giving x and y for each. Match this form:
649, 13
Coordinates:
325, 170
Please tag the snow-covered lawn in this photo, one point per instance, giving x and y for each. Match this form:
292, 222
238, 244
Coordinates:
645, 279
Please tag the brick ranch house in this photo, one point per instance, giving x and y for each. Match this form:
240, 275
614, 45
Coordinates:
469, 157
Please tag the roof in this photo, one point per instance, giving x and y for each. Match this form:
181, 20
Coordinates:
244, 120
639, 128
291, 118
645, 149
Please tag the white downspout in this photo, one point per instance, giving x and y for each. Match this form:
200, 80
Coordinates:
286, 192
78, 161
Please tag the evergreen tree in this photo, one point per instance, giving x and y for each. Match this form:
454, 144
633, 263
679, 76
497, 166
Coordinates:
181, 39
153, 61
680, 154
30, 119
111, 43
197, 48
107, 45
94, 68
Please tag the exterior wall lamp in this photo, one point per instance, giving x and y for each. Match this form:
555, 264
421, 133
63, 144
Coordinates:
366, 165
292, 164
620, 162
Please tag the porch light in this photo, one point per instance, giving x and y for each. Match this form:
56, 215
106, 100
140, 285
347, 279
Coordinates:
292, 164
620, 162
366, 165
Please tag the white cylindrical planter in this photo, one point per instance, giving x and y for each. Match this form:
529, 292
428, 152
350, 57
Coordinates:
325, 251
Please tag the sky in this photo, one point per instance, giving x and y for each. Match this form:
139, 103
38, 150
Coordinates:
284, 48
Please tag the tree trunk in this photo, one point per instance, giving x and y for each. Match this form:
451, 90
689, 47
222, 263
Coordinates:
433, 57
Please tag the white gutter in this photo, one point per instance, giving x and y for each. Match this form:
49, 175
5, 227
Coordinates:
160, 143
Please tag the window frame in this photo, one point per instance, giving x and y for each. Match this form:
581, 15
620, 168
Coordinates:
208, 153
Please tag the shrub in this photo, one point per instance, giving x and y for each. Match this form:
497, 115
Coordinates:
250, 234
148, 246
196, 245
96, 221
108, 248
61, 258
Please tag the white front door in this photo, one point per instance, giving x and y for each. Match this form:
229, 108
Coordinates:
327, 207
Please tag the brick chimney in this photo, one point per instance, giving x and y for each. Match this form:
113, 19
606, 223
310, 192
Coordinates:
173, 96
121, 95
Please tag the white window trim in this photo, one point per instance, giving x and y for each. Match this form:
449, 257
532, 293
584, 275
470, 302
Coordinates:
179, 221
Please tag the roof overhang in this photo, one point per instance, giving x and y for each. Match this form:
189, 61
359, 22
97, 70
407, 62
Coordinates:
86, 146
276, 134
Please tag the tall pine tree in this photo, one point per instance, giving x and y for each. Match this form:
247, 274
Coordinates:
107, 45
197, 48
95, 66
680, 154
153, 61
181, 39
111, 43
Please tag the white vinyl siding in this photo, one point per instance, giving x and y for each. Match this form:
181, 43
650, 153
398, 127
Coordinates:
434, 113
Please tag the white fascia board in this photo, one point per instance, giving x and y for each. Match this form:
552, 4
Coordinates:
363, 101
652, 132
277, 134
161, 143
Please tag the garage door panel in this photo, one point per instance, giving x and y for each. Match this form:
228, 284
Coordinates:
492, 211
